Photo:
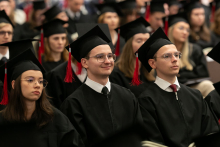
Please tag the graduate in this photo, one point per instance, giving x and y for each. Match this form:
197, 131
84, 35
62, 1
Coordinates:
98, 108
175, 114
55, 40
29, 119
125, 72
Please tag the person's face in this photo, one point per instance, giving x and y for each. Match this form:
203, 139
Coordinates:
112, 19
165, 67
13, 5
96, 68
64, 17
197, 17
138, 40
31, 84
181, 32
131, 17
38, 16
156, 20
166, 9
174, 9
6, 34
57, 42
141, 2
75, 5
5, 5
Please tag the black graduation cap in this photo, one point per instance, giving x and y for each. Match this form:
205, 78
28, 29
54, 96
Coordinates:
217, 87
84, 44
39, 4
52, 12
128, 4
215, 53
83, 28
209, 141
151, 46
130, 29
109, 7
174, 2
4, 0
157, 6
4, 18
54, 26
129, 137
188, 7
172, 19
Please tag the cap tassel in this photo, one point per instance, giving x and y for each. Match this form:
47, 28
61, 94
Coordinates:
79, 68
166, 26
5, 89
213, 12
147, 13
117, 50
69, 72
39, 53
136, 81
42, 40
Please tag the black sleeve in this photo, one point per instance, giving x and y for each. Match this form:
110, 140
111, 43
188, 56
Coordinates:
213, 100
115, 77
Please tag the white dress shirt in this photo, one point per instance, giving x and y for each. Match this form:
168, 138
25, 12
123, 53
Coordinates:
6, 55
83, 74
166, 85
96, 86
72, 14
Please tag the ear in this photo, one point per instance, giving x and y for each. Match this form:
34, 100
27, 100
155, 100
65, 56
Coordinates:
152, 63
13, 84
84, 63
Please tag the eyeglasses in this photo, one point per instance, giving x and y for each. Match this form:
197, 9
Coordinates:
169, 56
101, 57
33, 81
3, 33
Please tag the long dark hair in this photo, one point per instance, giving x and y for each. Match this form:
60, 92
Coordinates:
16, 108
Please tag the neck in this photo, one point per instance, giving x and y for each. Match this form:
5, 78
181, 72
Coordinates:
3, 50
31, 106
196, 29
56, 56
170, 79
112, 33
101, 80
179, 45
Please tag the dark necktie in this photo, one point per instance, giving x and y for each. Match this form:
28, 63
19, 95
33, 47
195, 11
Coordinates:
173, 86
105, 90
4, 59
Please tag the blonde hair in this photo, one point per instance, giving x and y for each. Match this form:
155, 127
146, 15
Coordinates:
184, 61
47, 51
125, 62
3, 24
215, 27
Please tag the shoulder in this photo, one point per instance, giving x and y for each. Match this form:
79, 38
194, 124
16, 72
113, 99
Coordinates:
151, 91
187, 90
120, 89
78, 93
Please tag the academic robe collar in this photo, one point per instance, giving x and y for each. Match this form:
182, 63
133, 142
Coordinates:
165, 85
96, 86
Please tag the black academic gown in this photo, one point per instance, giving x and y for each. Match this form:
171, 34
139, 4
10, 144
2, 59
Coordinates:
118, 77
96, 115
197, 59
17, 32
28, 32
172, 122
213, 100
48, 66
57, 88
57, 133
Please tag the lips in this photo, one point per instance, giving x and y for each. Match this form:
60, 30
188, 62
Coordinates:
36, 92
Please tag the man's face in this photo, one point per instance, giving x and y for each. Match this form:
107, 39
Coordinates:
94, 67
75, 5
156, 20
6, 34
165, 66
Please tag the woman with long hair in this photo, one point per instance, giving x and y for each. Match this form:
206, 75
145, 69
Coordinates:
29, 119
193, 62
215, 26
128, 71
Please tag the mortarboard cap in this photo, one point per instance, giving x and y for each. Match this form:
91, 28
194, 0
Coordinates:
217, 87
84, 44
4, 0
215, 53
174, 2
4, 18
210, 140
128, 4
39, 4
52, 12
130, 29
151, 46
172, 19
109, 7
157, 6
54, 26
193, 4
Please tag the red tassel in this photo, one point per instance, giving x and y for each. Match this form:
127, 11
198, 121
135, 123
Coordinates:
5, 89
39, 53
136, 81
100, 1
69, 73
117, 50
42, 40
147, 13
79, 68
166, 26
213, 12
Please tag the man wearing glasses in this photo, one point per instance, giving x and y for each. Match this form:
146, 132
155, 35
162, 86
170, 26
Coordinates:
175, 114
98, 107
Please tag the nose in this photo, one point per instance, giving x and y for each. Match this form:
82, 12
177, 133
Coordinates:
107, 60
6, 35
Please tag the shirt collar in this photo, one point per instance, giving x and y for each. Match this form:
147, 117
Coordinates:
83, 74
166, 85
96, 86
72, 14
6, 55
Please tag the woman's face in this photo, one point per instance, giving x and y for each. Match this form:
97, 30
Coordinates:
181, 32
64, 17
197, 17
38, 16
138, 40
112, 19
57, 42
31, 84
